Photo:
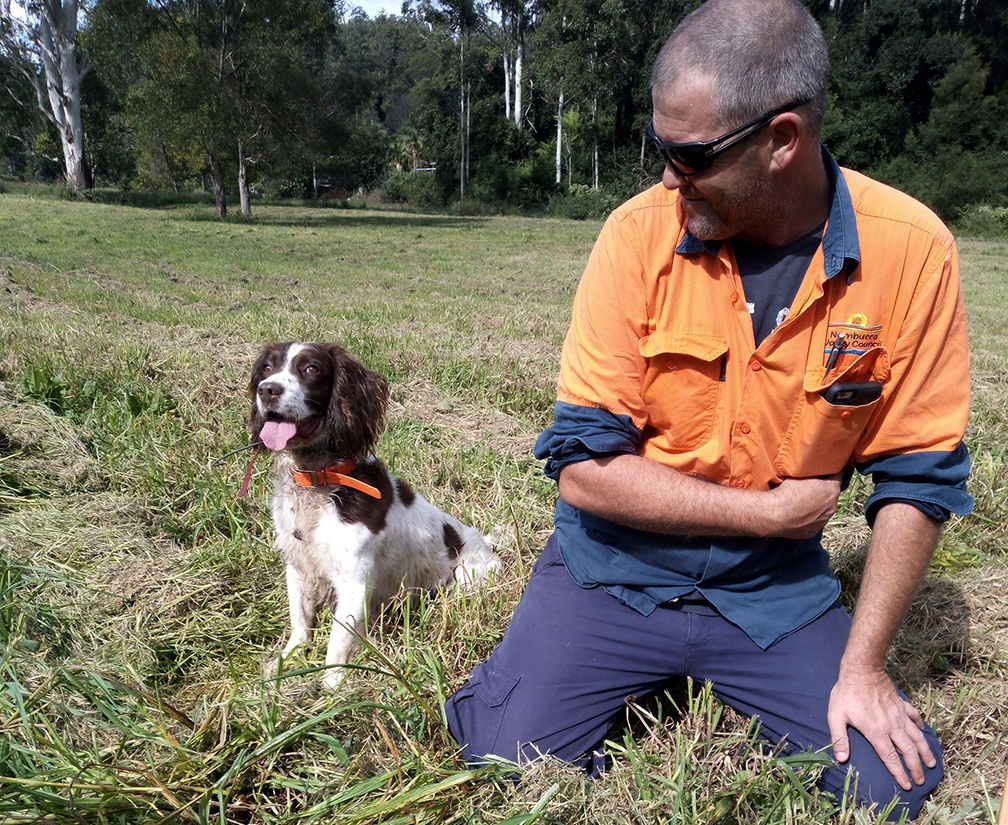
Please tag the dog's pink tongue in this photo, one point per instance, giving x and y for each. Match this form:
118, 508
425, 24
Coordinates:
276, 434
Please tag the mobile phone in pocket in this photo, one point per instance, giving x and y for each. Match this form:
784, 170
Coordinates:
852, 395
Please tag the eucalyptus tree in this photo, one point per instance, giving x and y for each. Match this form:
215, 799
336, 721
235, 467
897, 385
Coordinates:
511, 36
462, 17
38, 38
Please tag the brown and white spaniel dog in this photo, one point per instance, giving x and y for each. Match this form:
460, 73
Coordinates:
350, 533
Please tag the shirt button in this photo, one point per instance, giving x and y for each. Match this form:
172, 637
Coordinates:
745, 428
734, 298
740, 484
845, 414
756, 366
779, 469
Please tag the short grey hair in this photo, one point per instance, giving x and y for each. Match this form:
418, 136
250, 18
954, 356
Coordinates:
760, 54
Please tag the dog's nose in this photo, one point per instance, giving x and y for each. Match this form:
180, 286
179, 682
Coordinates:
268, 391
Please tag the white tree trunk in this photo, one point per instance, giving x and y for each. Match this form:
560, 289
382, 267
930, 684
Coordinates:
560, 103
507, 67
243, 187
468, 107
42, 46
519, 62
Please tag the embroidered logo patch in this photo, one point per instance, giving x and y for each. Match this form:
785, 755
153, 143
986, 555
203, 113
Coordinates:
857, 338
858, 319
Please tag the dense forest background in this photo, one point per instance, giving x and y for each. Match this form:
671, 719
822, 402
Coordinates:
530, 105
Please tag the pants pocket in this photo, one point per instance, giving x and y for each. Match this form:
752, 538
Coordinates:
476, 711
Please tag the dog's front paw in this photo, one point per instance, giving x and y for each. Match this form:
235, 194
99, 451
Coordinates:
277, 661
333, 679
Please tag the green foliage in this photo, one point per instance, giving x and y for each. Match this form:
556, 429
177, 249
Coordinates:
981, 220
72, 397
582, 202
362, 162
414, 188
950, 181
519, 176
918, 96
955, 159
148, 401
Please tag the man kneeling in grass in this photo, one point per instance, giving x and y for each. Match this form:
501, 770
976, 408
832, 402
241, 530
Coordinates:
745, 335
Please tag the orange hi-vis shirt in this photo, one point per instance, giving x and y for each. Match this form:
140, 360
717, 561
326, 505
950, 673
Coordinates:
666, 339
660, 359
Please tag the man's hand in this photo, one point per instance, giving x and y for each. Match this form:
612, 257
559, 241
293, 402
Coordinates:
802, 506
868, 701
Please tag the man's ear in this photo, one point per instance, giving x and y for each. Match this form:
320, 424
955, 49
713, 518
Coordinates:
787, 132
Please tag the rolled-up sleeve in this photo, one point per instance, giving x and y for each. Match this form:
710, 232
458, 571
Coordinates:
580, 433
934, 482
601, 365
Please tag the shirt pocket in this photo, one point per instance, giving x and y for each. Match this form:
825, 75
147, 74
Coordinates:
821, 437
682, 381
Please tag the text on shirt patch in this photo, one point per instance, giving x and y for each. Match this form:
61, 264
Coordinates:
856, 338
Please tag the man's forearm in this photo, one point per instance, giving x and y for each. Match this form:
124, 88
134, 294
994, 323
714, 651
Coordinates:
645, 495
903, 541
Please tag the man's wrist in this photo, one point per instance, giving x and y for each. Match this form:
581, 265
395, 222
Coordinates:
855, 665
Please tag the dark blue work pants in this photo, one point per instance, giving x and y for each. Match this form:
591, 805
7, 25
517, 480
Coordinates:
571, 656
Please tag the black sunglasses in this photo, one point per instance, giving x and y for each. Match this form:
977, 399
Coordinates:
692, 158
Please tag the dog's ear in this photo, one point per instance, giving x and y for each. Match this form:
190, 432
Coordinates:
357, 406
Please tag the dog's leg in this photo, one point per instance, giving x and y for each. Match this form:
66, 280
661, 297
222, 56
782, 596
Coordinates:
349, 618
301, 601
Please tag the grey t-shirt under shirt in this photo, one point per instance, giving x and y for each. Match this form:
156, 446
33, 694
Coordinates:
771, 276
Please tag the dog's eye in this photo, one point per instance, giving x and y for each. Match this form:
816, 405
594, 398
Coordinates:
311, 369
267, 368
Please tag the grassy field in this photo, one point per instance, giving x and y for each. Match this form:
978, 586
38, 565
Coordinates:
139, 600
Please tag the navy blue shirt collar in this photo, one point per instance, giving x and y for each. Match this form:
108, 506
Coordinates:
840, 242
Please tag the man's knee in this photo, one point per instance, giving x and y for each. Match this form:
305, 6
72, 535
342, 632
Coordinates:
872, 783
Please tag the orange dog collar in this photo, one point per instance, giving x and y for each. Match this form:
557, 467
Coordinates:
334, 474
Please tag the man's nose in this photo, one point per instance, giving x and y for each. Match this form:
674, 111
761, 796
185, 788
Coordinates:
671, 179
268, 390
